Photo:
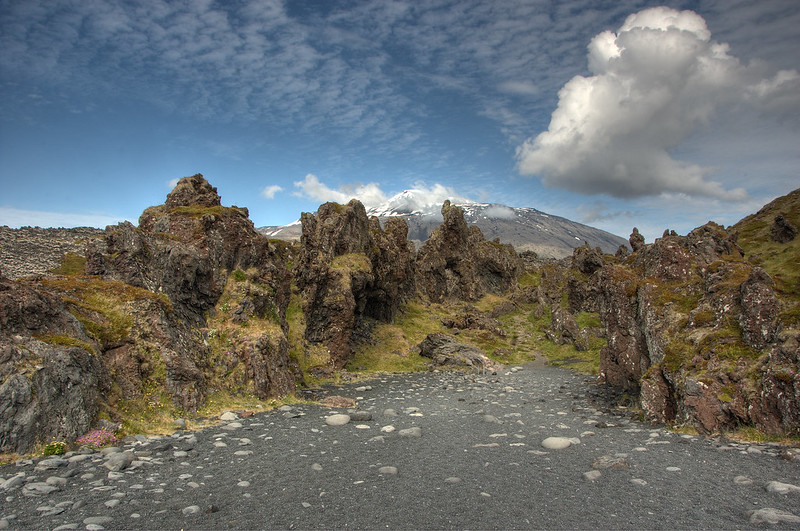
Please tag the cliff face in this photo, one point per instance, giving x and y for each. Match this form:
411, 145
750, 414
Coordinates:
705, 326
349, 270
130, 320
457, 263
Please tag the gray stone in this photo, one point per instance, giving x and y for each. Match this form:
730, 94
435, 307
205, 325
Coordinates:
782, 488
118, 461
411, 432
56, 481
38, 488
592, 475
388, 470
51, 463
771, 515
13, 482
192, 509
338, 419
97, 520
228, 416
361, 416
108, 450
556, 443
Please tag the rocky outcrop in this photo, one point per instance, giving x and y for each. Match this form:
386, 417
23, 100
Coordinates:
782, 230
625, 358
186, 249
697, 331
51, 378
760, 309
457, 263
350, 269
636, 240
446, 351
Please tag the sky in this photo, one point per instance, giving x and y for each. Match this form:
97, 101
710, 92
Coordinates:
611, 113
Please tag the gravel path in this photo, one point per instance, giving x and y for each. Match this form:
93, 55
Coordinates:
436, 450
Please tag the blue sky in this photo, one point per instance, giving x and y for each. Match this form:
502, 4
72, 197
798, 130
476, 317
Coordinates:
615, 114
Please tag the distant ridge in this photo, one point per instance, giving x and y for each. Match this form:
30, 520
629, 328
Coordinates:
527, 229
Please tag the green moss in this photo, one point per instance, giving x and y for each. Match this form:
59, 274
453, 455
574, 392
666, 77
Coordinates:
677, 354
196, 211
352, 262
67, 341
72, 264
588, 319
703, 318
239, 275
530, 278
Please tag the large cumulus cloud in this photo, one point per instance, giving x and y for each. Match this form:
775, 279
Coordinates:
655, 81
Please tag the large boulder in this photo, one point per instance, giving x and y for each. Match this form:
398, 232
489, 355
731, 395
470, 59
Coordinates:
447, 352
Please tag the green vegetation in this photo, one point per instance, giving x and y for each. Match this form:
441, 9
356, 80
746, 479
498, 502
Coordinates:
102, 306
778, 259
66, 341
55, 448
71, 265
352, 262
197, 211
392, 347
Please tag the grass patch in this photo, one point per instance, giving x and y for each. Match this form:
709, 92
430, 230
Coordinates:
71, 265
197, 211
586, 362
752, 434
66, 341
351, 262
150, 414
588, 320
103, 306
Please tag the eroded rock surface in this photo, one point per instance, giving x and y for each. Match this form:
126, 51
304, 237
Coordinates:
457, 263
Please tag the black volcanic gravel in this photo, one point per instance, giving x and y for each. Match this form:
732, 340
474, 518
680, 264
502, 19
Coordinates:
478, 464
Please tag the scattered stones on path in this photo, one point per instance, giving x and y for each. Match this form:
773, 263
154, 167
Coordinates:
492, 438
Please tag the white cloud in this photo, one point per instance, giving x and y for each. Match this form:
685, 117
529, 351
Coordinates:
270, 191
312, 188
656, 81
421, 196
500, 211
15, 218
172, 183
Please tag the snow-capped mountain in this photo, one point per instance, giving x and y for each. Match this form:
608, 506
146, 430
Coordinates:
527, 229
